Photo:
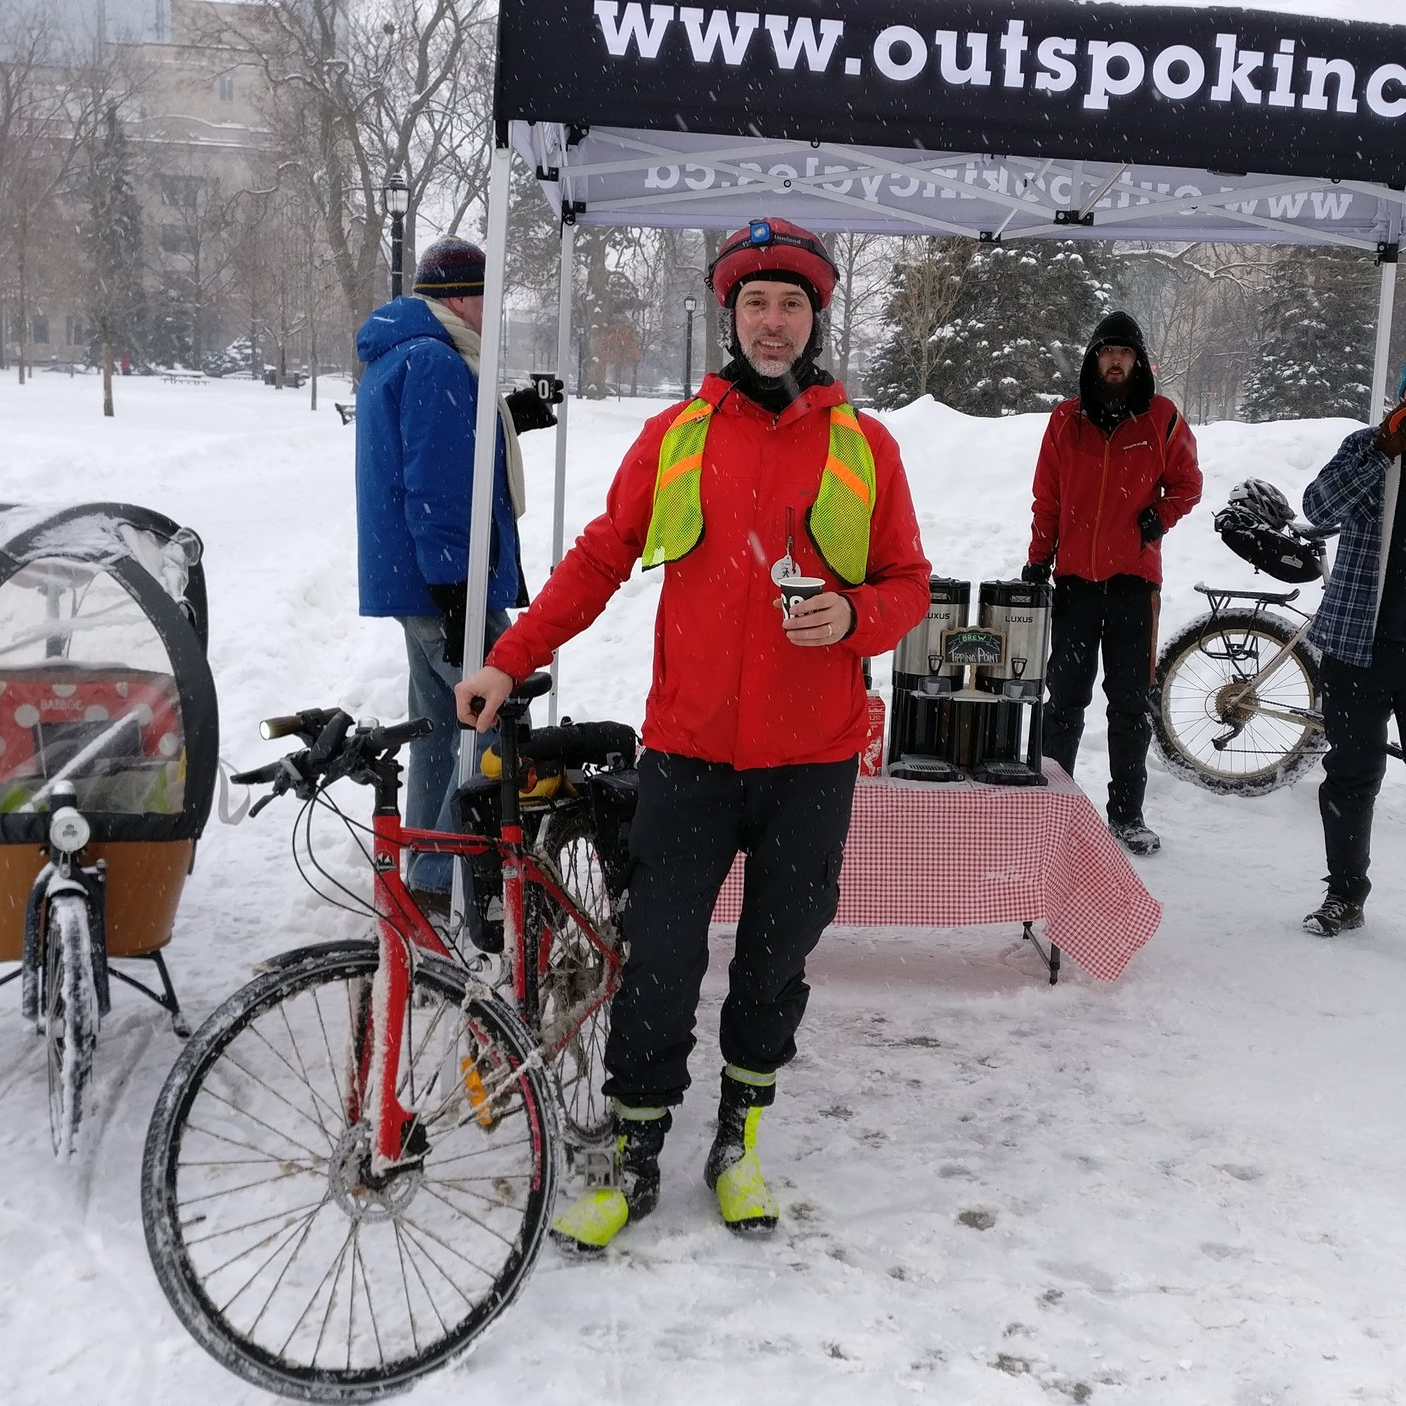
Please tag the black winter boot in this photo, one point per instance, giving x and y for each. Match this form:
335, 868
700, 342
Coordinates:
594, 1219
732, 1170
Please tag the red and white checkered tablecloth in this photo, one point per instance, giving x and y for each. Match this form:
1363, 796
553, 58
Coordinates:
960, 853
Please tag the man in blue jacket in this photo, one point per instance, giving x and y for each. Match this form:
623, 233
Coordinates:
416, 410
1361, 629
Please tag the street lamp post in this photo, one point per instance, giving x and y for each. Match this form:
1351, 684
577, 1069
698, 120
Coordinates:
690, 306
395, 201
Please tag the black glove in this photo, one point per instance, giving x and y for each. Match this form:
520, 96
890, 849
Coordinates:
452, 602
1035, 571
529, 410
1149, 524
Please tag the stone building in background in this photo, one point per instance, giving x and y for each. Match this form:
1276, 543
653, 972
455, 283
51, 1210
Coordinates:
224, 256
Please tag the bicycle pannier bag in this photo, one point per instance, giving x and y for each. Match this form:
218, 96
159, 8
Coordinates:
614, 795
1277, 554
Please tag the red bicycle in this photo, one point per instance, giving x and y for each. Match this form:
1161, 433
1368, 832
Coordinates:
351, 1168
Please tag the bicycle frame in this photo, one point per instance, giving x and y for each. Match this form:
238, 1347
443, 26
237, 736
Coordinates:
401, 928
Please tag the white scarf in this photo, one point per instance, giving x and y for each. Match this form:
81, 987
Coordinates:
469, 345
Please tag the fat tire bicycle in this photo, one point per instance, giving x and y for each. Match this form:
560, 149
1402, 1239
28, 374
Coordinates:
1237, 704
350, 1170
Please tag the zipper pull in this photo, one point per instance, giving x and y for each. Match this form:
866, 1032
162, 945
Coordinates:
791, 535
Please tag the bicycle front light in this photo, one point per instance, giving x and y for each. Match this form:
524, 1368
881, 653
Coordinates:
69, 830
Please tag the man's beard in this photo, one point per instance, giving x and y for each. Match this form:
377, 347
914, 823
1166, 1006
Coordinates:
771, 368
1115, 394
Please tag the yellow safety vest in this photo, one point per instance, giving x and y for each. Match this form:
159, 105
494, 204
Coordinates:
838, 521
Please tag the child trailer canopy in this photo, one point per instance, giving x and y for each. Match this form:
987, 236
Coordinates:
103, 676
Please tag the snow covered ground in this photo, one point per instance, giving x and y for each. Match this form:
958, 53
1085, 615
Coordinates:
1181, 1189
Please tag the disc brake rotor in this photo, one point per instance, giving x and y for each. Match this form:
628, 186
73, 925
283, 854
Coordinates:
351, 1186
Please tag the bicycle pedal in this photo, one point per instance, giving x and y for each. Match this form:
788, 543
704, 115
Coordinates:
597, 1165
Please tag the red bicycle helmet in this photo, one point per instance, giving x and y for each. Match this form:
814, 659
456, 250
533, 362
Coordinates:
772, 246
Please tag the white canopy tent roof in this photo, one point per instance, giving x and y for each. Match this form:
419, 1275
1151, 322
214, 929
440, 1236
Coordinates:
996, 119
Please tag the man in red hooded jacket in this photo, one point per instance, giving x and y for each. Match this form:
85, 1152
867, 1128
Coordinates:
753, 722
1117, 468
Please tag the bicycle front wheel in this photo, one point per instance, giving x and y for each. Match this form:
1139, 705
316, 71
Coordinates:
70, 1018
1216, 729
282, 1252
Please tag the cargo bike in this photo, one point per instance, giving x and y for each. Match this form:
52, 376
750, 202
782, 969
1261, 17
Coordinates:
108, 761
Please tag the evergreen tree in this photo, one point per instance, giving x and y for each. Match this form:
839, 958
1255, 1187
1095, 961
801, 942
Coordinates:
992, 329
114, 240
1315, 358
168, 323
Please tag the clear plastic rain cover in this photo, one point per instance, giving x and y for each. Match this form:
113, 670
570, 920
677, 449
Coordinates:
87, 689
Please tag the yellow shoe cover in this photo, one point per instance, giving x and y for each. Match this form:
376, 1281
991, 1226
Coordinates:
591, 1222
745, 1199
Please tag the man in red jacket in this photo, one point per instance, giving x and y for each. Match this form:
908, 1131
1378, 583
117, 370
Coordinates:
1117, 468
753, 722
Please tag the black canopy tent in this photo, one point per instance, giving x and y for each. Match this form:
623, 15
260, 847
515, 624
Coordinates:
996, 119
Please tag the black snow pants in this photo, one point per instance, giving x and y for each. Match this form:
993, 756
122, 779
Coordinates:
693, 817
1114, 617
1357, 705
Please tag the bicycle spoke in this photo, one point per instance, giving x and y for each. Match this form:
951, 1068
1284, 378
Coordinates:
471, 1215
311, 1207
337, 1112
261, 1183
334, 1273
244, 1113
298, 1232
481, 1270
358, 1263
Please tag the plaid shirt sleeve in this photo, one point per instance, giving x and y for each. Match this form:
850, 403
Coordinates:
1348, 493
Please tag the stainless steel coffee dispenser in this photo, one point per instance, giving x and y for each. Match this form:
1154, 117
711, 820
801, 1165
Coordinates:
924, 740
1020, 612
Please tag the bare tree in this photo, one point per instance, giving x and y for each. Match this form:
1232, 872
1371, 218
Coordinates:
864, 262
357, 88
105, 82
198, 226
35, 155
1200, 307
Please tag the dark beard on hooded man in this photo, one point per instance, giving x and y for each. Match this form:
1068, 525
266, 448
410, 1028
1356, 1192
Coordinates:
1114, 394
1105, 405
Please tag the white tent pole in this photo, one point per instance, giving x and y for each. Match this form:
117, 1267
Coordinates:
1380, 368
485, 447
564, 299
486, 425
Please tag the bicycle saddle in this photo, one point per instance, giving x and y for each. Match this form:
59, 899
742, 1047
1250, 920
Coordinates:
533, 686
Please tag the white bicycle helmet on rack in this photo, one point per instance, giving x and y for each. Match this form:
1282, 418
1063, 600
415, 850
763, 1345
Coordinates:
1263, 500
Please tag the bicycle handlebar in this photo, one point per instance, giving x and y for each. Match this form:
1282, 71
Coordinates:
334, 751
